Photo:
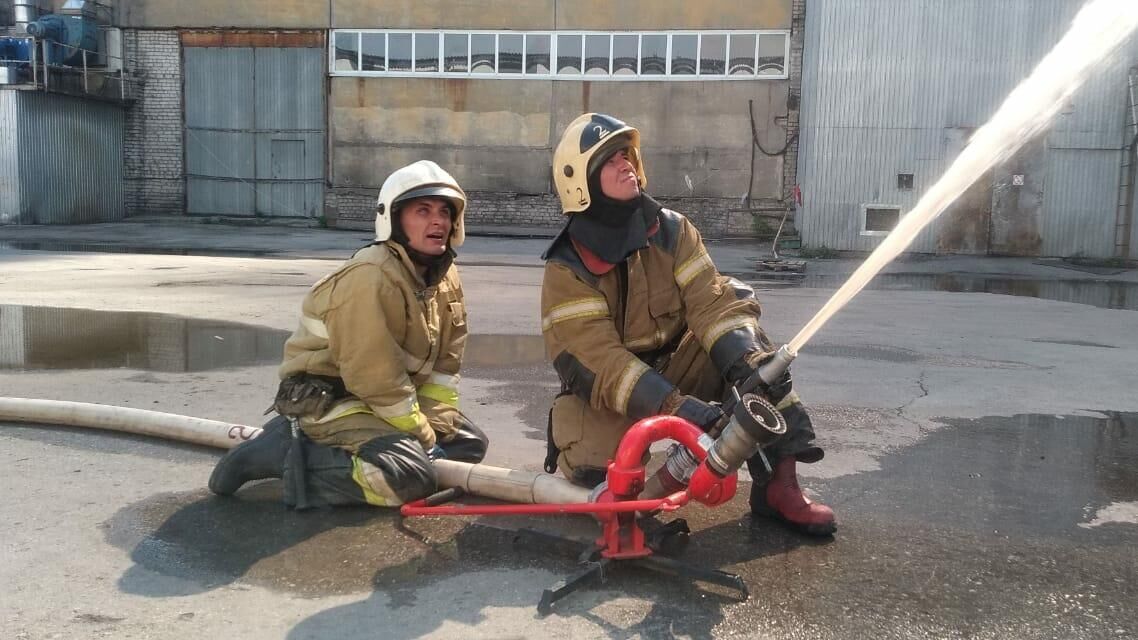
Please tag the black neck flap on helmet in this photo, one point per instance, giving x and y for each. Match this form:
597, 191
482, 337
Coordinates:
613, 229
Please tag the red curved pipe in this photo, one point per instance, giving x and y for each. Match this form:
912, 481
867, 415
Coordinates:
625, 477
626, 471
644, 432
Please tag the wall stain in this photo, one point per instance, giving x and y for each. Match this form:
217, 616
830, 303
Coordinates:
456, 92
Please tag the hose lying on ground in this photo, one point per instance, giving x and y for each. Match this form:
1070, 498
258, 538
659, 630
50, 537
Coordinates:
492, 482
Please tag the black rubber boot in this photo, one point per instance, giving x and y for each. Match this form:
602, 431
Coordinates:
262, 457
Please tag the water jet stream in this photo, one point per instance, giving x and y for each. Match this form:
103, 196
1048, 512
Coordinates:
1099, 29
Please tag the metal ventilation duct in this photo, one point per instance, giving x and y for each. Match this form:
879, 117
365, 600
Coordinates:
25, 11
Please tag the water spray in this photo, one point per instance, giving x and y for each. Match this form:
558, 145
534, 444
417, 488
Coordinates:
1097, 32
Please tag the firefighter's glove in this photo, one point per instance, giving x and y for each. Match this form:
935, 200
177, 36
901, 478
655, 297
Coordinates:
301, 395
702, 414
746, 366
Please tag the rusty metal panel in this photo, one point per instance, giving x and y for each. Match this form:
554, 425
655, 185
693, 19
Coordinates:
71, 159
236, 38
876, 71
9, 159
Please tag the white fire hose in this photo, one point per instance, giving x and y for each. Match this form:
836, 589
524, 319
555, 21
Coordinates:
511, 485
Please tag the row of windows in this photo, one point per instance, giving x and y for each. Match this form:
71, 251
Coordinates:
723, 55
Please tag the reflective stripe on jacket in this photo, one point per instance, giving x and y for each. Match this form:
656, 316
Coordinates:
396, 342
595, 326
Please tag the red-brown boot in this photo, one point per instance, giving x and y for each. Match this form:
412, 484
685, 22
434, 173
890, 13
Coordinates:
782, 499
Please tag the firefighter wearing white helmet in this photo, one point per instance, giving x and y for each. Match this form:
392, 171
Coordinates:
370, 376
638, 322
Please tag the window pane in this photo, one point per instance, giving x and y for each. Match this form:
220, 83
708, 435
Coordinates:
399, 52
683, 55
426, 52
597, 55
568, 54
454, 52
772, 54
374, 58
482, 53
742, 59
654, 55
537, 54
624, 54
347, 49
510, 53
712, 54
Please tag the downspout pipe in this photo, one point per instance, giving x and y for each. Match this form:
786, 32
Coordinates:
479, 479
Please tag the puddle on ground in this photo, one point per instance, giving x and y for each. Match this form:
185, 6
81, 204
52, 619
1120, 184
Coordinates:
40, 338
1106, 295
36, 338
1026, 475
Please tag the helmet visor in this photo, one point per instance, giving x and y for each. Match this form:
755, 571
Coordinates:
431, 191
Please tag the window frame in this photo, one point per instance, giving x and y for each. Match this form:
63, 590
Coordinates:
865, 207
638, 76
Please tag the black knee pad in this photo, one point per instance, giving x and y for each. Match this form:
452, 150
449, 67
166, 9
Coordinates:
404, 464
469, 444
586, 476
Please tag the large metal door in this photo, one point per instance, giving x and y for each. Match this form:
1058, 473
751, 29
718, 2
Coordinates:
1017, 202
963, 227
254, 132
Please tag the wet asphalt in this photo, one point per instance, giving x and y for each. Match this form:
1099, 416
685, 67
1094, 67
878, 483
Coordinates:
1022, 526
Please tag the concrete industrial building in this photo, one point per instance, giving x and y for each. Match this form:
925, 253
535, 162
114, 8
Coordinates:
300, 109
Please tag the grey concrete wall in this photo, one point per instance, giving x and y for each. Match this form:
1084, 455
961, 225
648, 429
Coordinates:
714, 217
468, 14
246, 14
154, 175
496, 136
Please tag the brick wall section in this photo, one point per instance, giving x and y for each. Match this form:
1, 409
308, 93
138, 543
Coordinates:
714, 217
154, 172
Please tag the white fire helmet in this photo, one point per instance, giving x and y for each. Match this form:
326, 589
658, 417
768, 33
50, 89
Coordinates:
586, 143
419, 180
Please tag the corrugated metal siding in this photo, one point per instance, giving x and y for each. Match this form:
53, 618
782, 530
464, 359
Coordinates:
255, 131
12, 339
220, 158
291, 154
1079, 202
9, 160
71, 159
883, 81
